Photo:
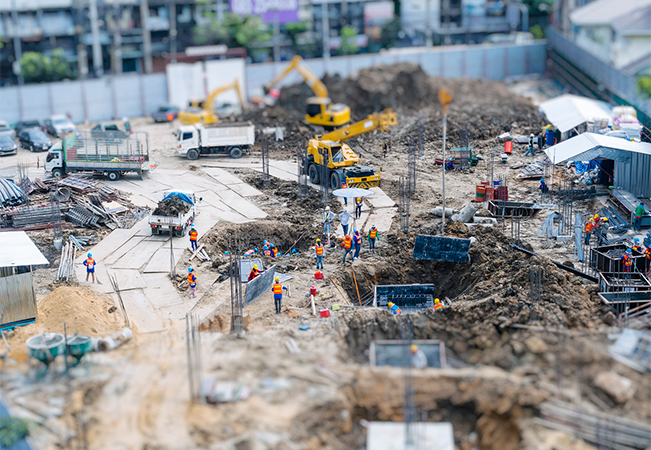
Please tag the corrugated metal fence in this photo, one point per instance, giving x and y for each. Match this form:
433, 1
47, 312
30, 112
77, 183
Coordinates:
130, 95
17, 298
634, 177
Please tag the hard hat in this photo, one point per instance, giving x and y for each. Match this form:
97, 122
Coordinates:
327, 208
390, 303
255, 266
277, 279
89, 255
628, 250
355, 231
372, 226
437, 301
596, 216
189, 269
312, 287
345, 209
414, 347
531, 135
265, 246
265, 241
636, 240
605, 219
542, 180
318, 240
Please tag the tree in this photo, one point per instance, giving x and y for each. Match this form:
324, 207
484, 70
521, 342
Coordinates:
37, 67
644, 87
348, 35
234, 31
390, 33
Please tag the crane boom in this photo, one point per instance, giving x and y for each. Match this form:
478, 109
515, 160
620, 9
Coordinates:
311, 80
377, 121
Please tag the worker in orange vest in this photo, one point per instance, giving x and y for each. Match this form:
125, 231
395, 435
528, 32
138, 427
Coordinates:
90, 266
318, 251
254, 272
627, 258
437, 304
372, 237
344, 185
647, 253
193, 238
636, 245
277, 289
588, 231
192, 282
348, 248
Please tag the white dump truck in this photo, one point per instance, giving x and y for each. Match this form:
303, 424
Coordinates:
175, 212
216, 138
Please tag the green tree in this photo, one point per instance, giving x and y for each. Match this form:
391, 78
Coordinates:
644, 87
537, 31
347, 36
389, 33
37, 67
234, 31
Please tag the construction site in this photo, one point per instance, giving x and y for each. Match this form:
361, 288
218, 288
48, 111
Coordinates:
498, 297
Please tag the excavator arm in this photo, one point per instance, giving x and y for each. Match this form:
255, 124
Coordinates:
382, 121
208, 104
310, 79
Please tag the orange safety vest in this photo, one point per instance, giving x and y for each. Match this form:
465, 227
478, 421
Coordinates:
647, 252
319, 250
348, 242
373, 234
191, 279
90, 263
253, 274
637, 248
170, 117
627, 260
193, 235
358, 200
438, 306
588, 227
597, 223
275, 251
278, 288
344, 185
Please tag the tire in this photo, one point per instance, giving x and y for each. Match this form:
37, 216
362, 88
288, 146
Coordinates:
236, 152
335, 181
57, 173
192, 154
113, 175
313, 173
31, 148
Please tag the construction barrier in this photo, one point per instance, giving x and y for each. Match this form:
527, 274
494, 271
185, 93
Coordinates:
490, 193
480, 193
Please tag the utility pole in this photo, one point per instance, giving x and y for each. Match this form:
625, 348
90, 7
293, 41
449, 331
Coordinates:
98, 60
444, 99
428, 25
325, 24
18, 50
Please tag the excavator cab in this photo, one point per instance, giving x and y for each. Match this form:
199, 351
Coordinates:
321, 111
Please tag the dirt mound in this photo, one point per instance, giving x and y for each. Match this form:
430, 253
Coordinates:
171, 207
79, 308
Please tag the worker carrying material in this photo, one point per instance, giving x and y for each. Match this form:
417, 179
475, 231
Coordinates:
437, 304
636, 245
627, 259
348, 248
90, 266
357, 242
254, 272
318, 252
395, 309
418, 358
277, 289
193, 238
372, 237
192, 282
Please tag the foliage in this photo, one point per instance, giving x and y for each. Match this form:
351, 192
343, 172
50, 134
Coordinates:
37, 67
537, 31
234, 31
295, 28
644, 87
390, 32
539, 7
12, 430
347, 36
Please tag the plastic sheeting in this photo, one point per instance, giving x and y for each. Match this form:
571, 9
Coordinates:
180, 195
634, 177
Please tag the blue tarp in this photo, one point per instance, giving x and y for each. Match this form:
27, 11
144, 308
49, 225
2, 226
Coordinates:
583, 167
180, 195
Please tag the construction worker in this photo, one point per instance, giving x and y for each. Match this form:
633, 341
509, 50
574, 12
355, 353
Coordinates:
344, 185
192, 282
277, 289
437, 304
418, 358
647, 253
345, 217
193, 238
589, 226
597, 221
274, 250
90, 266
266, 251
318, 252
627, 259
372, 237
636, 245
357, 242
543, 186
348, 248
530, 147
395, 309
637, 220
359, 201
254, 272
328, 216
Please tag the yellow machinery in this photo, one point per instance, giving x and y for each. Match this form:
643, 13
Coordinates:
343, 163
320, 109
207, 113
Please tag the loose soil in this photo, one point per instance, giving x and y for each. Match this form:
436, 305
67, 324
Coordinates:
171, 207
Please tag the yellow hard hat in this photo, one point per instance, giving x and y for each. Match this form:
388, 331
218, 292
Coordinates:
436, 301
318, 240
277, 279
596, 216
605, 219
255, 266
414, 348
390, 303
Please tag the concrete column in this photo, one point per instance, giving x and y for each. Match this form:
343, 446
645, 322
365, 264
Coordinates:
146, 36
98, 61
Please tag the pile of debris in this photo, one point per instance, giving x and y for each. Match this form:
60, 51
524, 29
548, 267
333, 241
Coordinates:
80, 201
171, 206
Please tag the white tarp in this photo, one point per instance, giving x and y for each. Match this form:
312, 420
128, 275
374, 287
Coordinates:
19, 250
568, 111
587, 146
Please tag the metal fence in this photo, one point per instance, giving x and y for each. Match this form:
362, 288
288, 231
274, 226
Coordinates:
612, 79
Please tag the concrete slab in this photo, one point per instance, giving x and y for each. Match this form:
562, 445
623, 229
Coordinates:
138, 256
142, 314
245, 190
160, 262
160, 292
242, 206
380, 199
109, 244
221, 175
123, 249
382, 219
391, 435
128, 279
100, 274
141, 200
291, 167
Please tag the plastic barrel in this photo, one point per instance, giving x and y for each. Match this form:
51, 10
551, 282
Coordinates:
490, 193
508, 147
497, 182
480, 193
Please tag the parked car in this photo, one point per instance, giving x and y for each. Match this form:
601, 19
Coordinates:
165, 113
7, 144
25, 124
59, 125
6, 129
34, 139
109, 130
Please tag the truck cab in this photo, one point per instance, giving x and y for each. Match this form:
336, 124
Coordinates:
54, 163
187, 139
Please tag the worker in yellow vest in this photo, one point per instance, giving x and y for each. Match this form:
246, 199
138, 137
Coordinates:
318, 251
192, 282
277, 289
372, 237
193, 238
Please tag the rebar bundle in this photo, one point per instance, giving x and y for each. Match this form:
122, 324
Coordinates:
535, 277
237, 304
413, 148
301, 153
404, 204
265, 162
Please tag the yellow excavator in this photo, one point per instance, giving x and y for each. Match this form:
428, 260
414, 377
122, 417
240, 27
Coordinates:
342, 162
320, 109
206, 114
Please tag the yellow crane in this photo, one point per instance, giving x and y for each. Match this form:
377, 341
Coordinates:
207, 113
320, 109
342, 162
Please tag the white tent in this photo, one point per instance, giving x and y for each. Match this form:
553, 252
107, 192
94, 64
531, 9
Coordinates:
568, 111
587, 146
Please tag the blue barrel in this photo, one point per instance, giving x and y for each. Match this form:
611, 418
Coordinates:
549, 137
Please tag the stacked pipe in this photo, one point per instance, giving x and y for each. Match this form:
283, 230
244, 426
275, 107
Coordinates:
10, 194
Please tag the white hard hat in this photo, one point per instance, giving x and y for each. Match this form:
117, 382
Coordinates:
345, 209
327, 208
